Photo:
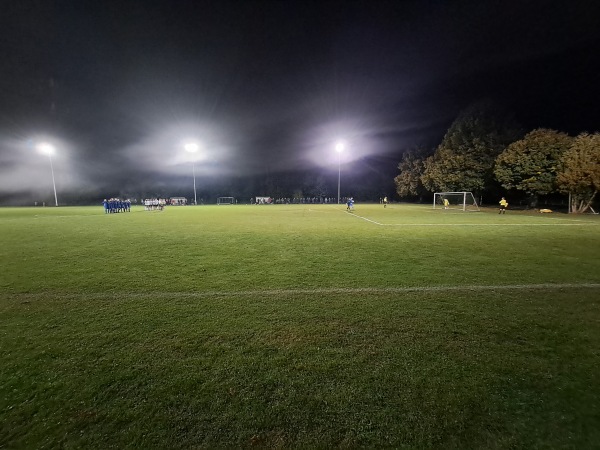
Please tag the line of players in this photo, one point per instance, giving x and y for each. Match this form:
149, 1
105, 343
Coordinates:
154, 204
116, 205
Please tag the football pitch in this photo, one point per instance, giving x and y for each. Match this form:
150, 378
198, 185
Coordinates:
298, 326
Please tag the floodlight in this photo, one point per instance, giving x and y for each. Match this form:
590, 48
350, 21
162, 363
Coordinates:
46, 148
339, 148
191, 147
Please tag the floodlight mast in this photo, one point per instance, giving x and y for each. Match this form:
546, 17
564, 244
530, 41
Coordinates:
192, 147
48, 149
339, 148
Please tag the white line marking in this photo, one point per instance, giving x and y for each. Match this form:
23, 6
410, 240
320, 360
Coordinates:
301, 291
471, 224
483, 224
364, 218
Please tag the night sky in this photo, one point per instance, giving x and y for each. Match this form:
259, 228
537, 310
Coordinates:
267, 87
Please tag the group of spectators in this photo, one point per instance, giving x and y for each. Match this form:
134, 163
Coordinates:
296, 200
314, 200
116, 205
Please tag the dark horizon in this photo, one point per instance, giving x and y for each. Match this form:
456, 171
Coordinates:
267, 88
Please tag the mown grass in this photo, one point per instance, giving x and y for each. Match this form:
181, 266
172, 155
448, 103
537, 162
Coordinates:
288, 326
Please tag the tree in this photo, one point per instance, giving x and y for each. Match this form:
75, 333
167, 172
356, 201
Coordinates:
408, 182
464, 160
315, 186
580, 171
532, 163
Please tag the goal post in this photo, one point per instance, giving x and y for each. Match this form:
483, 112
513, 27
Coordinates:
225, 201
463, 201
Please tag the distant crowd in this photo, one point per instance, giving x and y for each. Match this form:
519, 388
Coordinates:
297, 200
116, 205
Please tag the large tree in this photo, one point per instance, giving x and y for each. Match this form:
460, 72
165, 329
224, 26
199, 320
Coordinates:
315, 186
464, 160
408, 182
532, 163
580, 171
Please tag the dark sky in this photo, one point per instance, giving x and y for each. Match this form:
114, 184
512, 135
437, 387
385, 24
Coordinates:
267, 87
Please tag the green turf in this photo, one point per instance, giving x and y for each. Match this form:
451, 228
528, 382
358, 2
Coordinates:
298, 327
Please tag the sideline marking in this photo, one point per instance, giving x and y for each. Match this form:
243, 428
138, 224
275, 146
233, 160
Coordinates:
473, 224
291, 292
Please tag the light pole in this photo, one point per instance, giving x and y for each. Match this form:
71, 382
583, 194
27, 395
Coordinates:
48, 149
192, 147
339, 148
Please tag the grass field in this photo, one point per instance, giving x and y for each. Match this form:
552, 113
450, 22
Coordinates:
299, 326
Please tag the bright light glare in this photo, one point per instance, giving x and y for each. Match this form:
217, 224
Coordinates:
339, 147
191, 147
45, 148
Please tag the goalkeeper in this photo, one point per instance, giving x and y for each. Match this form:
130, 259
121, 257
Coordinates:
503, 206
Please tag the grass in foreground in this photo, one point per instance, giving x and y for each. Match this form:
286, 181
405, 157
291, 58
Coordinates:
187, 329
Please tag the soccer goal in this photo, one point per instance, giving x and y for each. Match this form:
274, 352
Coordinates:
464, 201
225, 201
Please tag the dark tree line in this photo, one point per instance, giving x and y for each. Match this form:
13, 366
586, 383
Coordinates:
484, 151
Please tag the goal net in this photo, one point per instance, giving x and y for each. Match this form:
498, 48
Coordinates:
464, 201
225, 201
